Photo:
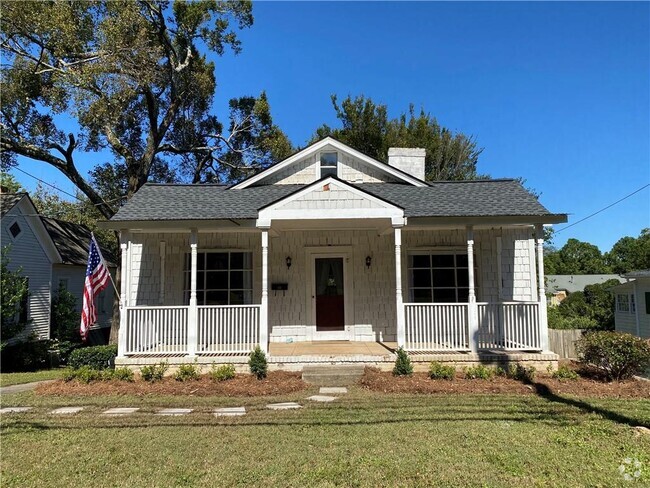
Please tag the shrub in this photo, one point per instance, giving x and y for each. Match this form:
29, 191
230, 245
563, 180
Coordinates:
64, 317
97, 357
123, 374
187, 372
618, 356
521, 373
28, 355
403, 366
154, 372
438, 371
564, 373
222, 373
480, 372
257, 363
63, 349
84, 374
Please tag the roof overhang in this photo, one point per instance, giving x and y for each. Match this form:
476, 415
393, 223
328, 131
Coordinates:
178, 225
487, 220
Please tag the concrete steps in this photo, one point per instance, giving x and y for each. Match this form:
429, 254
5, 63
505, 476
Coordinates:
332, 375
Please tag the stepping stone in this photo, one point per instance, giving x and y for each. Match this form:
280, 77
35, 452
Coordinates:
321, 398
333, 390
174, 411
229, 412
120, 411
283, 406
66, 410
15, 409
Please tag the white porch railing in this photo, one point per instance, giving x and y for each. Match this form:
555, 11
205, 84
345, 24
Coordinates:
436, 326
509, 325
156, 330
228, 329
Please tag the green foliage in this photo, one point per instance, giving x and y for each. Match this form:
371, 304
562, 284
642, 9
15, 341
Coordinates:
83, 374
97, 357
564, 373
154, 372
123, 374
64, 317
9, 183
630, 254
439, 371
480, 372
558, 321
63, 349
222, 373
14, 291
257, 363
520, 372
618, 356
27, 355
576, 257
403, 366
187, 372
367, 128
592, 308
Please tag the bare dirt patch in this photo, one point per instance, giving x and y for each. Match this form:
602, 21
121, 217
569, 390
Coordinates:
277, 383
376, 380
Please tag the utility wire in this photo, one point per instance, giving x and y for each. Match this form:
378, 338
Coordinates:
604, 208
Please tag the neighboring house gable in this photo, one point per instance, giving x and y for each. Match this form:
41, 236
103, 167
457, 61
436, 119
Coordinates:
632, 304
560, 286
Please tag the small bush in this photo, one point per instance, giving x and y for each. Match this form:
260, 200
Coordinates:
222, 373
154, 372
403, 366
257, 363
97, 357
521, 373
480, 372
84, 374
187, 372
28, 355
123, 374
565, 373
438, 371
618, 356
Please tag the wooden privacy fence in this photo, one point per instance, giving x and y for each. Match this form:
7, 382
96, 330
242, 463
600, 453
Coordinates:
563, 342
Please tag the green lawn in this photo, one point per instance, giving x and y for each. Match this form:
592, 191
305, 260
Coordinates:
362, 439
8, 379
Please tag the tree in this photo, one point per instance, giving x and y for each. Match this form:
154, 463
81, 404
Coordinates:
135, 81
367, 128
630, 254
576, 257
64, 316
9, 183
14, 293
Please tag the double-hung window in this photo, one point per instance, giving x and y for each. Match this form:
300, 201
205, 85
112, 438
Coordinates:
223, 278
438, 277
622, 302
328, 164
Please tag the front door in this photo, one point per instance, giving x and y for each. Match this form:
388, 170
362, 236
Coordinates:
330, 298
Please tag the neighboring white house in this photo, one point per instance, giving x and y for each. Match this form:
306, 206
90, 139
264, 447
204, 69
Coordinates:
561, 286
50, 253
632, 313
332, 245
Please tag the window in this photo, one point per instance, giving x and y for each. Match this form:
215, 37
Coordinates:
632, 304
15, 230
328, 164
622, 303
438, 277
63, 283
223, 278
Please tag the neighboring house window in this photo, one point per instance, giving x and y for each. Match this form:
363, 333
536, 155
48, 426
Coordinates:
328, 164
622, 303
438, 277
63, 283
647, 302
223, 278
15, 230
632, 304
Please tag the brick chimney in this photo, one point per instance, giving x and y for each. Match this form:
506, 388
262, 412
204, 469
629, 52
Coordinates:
408, 159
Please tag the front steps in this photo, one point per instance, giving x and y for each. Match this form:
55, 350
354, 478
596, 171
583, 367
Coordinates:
332, 375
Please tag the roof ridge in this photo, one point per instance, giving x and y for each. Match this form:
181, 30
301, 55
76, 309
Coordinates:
185, 184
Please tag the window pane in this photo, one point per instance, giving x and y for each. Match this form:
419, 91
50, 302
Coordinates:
216, 280
421, 278
462, 277
200, 280
327, 171
420, 261
236, 260
236, 279
461, 260
442, 260
463, 295
444, 295
422, 295
217, 260
328, 159
14, 229
216, 297
444, 277
200, 261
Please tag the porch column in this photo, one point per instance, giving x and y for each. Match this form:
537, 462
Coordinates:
399, 299
472, 308
264, 306
192, 313
543, 319
122, 334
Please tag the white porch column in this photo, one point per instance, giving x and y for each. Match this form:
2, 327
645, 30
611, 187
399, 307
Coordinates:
122, 334
543, 319
264, 308
472, 308
192, 313
399, 299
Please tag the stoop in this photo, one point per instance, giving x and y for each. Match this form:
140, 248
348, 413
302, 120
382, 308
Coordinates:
332, 375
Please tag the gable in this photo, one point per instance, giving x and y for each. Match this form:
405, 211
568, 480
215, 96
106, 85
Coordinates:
352, 166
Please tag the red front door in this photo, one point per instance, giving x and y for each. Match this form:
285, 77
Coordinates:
330, 302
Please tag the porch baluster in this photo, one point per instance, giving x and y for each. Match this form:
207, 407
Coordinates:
192, 313
399, 300
472, 311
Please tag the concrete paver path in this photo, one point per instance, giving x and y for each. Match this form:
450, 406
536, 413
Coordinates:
66, 410
22, 387
15, 409
229, 411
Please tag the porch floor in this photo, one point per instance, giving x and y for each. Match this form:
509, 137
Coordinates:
331, 348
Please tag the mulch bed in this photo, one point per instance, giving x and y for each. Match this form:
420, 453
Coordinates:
276, 383
376, 380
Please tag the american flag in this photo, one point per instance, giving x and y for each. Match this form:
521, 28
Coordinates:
97, 277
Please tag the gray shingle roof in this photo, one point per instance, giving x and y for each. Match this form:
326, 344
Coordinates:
72, 241
8, 200
441, 199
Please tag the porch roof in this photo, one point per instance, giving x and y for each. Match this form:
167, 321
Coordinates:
478, 198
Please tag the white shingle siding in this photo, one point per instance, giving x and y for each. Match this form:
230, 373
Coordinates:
335, 197
28, 253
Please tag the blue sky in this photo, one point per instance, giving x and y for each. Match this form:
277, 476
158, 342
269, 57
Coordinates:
558, 93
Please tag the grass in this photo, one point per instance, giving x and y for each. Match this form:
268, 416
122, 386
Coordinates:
8, 379
362, 439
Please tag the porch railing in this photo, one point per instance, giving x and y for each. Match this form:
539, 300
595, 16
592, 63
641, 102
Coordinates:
436, 326
228, 329
509, 325
156, 330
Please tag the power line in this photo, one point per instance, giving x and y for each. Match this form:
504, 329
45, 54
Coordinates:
604, 208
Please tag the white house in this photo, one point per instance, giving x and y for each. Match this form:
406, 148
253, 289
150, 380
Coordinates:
49, 253
332, 245
632, 314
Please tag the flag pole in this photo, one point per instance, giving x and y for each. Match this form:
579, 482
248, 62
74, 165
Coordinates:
92, 235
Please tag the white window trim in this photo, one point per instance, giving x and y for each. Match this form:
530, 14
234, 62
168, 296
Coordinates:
619, 304
319, 166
